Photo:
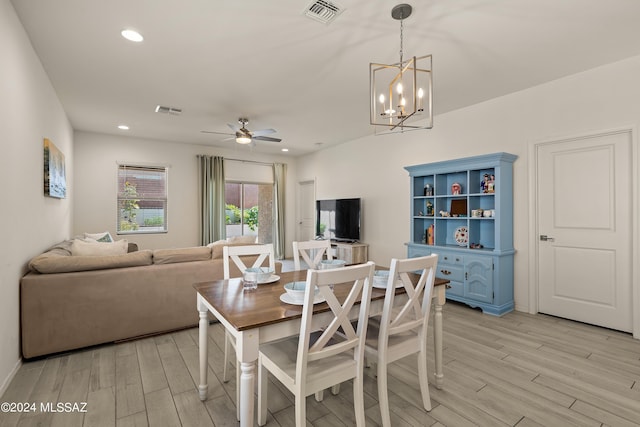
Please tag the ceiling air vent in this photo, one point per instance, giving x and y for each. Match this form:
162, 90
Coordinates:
323, 11
168, 110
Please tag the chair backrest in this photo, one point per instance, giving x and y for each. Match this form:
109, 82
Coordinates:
414, 314
234, 253
340, 329
311, 252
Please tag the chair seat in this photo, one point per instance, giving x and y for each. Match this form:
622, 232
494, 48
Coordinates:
283, 354
398, 346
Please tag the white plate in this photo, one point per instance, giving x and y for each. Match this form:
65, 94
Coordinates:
461, 235
384, 285
271, 279
286, 298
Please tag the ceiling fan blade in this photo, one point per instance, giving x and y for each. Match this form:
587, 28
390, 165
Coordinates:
267, 138
234, 128
217, 133
262, 132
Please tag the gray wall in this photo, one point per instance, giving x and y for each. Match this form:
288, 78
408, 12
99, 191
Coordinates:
97, 156
29, 112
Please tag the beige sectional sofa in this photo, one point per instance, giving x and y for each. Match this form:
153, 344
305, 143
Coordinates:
69, 302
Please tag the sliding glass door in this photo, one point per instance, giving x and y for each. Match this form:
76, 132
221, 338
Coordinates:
249, 210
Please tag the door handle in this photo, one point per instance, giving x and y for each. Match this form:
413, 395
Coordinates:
545, 238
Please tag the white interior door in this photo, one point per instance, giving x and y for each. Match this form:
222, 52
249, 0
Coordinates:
584, 213
306, 210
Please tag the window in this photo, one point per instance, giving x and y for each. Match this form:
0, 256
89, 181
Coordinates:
142, 199
249, 210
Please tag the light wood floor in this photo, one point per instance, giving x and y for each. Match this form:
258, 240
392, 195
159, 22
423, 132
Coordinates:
518, 370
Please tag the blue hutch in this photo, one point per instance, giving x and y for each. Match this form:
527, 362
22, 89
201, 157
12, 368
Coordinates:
462, 210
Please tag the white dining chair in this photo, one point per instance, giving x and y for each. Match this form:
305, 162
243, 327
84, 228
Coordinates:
315, 360
234, 253
402, 331
311, 252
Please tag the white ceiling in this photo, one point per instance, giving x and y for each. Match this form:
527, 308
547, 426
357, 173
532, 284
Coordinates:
218, 60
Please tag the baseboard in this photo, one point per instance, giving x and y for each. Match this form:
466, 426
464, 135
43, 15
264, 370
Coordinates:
7, 381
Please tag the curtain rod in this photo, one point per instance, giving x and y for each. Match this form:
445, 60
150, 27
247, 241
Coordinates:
248, 161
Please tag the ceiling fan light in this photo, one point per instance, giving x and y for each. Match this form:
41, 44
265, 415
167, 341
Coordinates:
243, 139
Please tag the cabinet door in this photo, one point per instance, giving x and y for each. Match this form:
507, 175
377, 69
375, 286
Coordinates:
478, 283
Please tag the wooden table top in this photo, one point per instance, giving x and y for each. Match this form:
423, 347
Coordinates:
261, 307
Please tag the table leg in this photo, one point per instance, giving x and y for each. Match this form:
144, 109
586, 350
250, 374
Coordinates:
437, 338
247, 387
203, 328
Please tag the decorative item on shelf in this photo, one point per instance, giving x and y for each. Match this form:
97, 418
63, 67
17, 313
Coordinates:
430, 235
461, 236
428, 190
429, 208
456, 188
444, 214
477, 213
458, 207
401, 93
475, 246
484, 184
491, 186
487, 213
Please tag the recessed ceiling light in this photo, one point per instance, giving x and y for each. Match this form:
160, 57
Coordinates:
285, 149
132, 35
123, 127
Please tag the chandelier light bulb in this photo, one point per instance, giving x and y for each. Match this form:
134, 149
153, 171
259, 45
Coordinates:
399, 87
420, 93
403, 102
381, 99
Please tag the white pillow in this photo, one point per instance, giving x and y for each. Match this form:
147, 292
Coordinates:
104, 237
216, 243
87, 248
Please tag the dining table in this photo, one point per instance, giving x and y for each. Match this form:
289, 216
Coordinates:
260, 316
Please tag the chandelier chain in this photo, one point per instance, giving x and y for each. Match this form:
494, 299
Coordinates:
401, 37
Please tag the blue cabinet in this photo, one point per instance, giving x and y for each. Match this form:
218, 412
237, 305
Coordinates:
462, 210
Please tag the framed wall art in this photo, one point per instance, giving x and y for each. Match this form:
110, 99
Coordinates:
55, 179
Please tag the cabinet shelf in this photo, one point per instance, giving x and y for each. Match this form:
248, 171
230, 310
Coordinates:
468, 187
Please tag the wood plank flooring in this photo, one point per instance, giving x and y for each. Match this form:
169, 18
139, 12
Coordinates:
519, 370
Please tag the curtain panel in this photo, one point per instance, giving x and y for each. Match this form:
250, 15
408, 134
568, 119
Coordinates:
211, 198
279, 178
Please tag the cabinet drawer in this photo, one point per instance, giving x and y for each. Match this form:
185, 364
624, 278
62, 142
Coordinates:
451, 272
451, 259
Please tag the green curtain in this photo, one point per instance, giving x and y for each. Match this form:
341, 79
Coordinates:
279, 177
211, 203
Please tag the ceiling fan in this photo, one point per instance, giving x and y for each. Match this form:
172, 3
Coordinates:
243, 135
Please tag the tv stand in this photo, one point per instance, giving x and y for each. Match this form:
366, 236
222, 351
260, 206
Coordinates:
350, 252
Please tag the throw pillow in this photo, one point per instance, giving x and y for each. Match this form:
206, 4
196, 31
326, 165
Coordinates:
104, 237
94, 248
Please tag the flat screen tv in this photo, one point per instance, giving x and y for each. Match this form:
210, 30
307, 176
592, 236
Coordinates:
338, 219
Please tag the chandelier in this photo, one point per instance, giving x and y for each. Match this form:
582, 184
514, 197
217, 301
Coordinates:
402, 93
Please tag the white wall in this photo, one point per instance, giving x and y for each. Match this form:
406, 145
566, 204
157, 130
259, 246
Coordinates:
95, 185
600, 99
29, 112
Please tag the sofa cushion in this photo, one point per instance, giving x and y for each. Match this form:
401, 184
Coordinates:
94, 248
55, 262
216, 247
170, 256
